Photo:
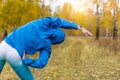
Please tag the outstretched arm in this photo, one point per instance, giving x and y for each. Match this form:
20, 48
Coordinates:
55, 22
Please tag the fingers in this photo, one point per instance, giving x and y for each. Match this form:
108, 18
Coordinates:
89, 34
86, 32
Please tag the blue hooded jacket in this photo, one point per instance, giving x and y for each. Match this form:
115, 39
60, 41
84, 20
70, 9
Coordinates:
39, 35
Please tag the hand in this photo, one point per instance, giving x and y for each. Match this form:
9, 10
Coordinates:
85, 31
23, 56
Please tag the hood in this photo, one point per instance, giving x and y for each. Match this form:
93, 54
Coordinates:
58, 36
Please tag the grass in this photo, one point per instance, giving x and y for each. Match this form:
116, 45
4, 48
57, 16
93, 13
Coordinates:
78, 58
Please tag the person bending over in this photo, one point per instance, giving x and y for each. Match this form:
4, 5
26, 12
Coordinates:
37, 35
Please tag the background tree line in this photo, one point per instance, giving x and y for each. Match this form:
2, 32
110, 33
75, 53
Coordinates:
15, 13
103, 20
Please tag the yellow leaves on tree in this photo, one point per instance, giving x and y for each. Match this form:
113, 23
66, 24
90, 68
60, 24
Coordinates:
18, 12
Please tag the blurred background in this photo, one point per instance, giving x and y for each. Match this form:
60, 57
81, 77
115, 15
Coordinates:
101, 17
79, 57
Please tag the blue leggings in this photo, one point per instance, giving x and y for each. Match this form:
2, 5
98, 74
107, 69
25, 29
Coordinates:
9, 54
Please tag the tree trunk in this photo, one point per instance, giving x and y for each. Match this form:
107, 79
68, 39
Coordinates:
97, 21
115, 30
97, 30
5, 33
115, 14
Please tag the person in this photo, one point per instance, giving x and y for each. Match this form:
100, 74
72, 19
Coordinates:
37, 35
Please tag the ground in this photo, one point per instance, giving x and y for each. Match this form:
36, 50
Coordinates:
78, 58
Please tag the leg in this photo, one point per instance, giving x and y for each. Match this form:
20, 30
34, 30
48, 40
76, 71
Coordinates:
15, 62
22, 71
2, 63
3, 51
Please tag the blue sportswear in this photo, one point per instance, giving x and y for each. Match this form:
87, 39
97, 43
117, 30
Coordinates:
39, 35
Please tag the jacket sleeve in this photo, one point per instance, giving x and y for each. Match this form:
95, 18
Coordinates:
41, 61
55, 22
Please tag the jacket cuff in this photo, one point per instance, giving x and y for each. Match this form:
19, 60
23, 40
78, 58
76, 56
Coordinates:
75, 26
27, 61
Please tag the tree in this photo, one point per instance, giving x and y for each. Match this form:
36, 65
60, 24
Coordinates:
115, 17
66, 12
106, 19
97, 2
18, 12
45, 10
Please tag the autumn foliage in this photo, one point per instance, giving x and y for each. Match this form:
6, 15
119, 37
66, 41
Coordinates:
14, 13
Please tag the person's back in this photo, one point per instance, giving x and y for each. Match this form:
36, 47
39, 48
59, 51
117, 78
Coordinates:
28, 34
